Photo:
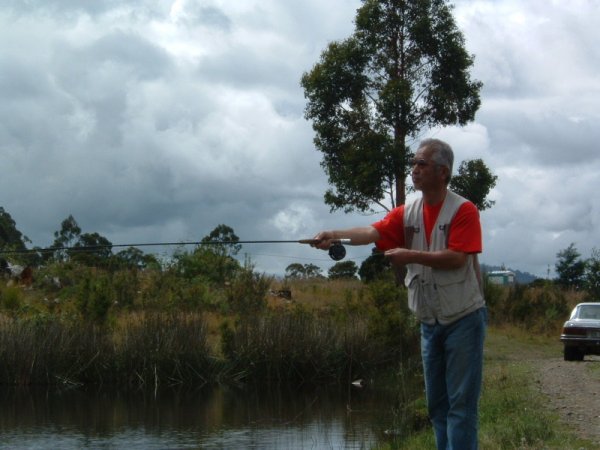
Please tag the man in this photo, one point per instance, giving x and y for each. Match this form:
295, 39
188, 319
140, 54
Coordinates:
437, 238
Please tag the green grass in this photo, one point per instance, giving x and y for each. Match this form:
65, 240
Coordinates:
513, 413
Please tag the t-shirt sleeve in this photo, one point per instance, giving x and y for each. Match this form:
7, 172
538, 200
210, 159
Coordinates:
465, 232
391, 230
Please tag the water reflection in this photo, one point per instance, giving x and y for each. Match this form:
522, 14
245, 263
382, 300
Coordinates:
210, 418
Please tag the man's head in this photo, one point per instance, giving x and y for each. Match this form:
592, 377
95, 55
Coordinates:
440, 153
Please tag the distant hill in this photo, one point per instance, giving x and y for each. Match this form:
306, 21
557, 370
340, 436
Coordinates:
520, 277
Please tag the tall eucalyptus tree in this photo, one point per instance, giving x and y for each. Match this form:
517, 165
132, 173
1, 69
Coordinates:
403, 69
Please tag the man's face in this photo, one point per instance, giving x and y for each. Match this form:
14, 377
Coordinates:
426, 174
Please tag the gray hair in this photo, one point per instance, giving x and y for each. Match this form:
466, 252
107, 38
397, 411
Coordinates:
442, 154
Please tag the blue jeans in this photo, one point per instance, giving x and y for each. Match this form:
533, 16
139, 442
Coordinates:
453, 365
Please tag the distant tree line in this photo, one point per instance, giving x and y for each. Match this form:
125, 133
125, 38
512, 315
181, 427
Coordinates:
71, 245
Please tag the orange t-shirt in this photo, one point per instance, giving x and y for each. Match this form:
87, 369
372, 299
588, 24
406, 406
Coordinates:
464, 236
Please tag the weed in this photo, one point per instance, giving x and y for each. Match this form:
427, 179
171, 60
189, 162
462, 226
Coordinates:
11, 298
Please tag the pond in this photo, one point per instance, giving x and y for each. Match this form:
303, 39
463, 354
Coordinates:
209, 418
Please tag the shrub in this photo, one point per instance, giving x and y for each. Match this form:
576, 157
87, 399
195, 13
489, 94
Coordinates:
94, 296
246, 294
392, 322
542, 308
10, 298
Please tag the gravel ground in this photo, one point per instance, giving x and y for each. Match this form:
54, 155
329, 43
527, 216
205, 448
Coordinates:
573, 390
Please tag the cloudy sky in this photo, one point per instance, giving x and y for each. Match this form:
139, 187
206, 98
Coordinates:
156, 121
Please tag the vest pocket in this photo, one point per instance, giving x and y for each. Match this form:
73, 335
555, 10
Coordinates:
453, 288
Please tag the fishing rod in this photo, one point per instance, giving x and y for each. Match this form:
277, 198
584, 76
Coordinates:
337, 251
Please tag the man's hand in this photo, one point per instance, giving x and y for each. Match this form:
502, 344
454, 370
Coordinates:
323, 240
400, 256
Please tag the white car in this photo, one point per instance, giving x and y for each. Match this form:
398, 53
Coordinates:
581, 333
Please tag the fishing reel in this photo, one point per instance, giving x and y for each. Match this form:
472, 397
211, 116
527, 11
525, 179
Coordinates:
337, 251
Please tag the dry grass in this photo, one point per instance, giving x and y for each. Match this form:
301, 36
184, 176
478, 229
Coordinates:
320, 293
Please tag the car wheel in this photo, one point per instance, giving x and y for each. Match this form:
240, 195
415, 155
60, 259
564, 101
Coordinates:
573, 354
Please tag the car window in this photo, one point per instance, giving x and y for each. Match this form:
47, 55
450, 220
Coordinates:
589, 312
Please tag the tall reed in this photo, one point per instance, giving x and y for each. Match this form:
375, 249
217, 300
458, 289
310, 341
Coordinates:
162, 348
299, 346
142, 350
47, 351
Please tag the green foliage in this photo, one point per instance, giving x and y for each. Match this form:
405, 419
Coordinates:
161, 290
67, 236
404, 68
228, 344
223, 240
10, 298
134, 258
246, 294
207, 263
213, 260
11, 239
95, 295
88, 249
91, 249
537, 308
125, 284
513, 415
343, 269
375, 267
392, 322
303, 271
474, 182
492, 293
295, 271
592, 275
570, 268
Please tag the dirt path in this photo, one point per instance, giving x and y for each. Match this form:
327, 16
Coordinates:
573, 390
571, 387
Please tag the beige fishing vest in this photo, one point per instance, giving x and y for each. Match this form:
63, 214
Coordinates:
435, 294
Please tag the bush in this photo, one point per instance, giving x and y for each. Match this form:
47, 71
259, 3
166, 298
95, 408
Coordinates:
11, 298
246, 294
95, 294
392, 322
541, 308
206, 263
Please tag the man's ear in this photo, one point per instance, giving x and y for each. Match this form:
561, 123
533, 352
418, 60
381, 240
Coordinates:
444, 171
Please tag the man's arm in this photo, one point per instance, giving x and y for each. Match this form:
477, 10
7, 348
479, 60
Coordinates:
442, 259
358, 236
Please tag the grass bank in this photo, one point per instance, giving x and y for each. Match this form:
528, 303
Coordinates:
514, 414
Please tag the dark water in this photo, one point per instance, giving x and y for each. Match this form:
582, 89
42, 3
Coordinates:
208, 418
